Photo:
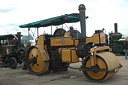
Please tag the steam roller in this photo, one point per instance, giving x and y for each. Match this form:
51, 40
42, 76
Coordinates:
56, 52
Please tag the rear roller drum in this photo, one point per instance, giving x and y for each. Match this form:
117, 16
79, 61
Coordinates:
106, 61
37, 56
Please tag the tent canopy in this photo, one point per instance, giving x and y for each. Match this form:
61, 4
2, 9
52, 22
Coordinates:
67, 18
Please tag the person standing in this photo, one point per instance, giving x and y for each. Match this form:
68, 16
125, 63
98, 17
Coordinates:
29, 44
126, 47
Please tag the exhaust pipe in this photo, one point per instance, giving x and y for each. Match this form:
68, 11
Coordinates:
82, 20
115, 26
19, 38
83, 49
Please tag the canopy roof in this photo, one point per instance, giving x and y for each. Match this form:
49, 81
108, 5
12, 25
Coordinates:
67, 18
8, 36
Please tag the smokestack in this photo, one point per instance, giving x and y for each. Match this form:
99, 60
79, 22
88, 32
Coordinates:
115, 26
82, 20
19, 38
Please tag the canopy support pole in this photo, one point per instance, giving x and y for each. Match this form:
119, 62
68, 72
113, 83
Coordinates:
51, 29
37, 31
28, 34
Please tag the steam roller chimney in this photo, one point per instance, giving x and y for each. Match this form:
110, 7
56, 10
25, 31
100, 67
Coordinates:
19, 38
82, 20
115, 26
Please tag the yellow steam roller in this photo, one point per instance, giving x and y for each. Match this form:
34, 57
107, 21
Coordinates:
55, 52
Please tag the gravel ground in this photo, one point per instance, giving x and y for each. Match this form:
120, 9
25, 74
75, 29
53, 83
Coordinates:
71, 77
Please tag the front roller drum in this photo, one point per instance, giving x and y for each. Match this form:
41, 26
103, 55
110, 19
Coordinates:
39, 60
107, 65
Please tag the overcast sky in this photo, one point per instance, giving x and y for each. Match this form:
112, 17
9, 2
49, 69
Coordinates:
102, 14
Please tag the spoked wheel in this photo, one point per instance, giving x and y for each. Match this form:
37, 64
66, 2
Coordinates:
12, 63
37, 55
103, 61
20, 53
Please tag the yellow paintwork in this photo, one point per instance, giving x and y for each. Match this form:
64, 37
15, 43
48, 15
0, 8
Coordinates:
96, 39
75, 58
94, 50
93, 60
111, 62
64, 41
76, 42
69, 56
100, 48
101, 56
67, 34
34, 67
101, 64
68, 41
60, 51
40, 40
42, 60
66, 56
106, 59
